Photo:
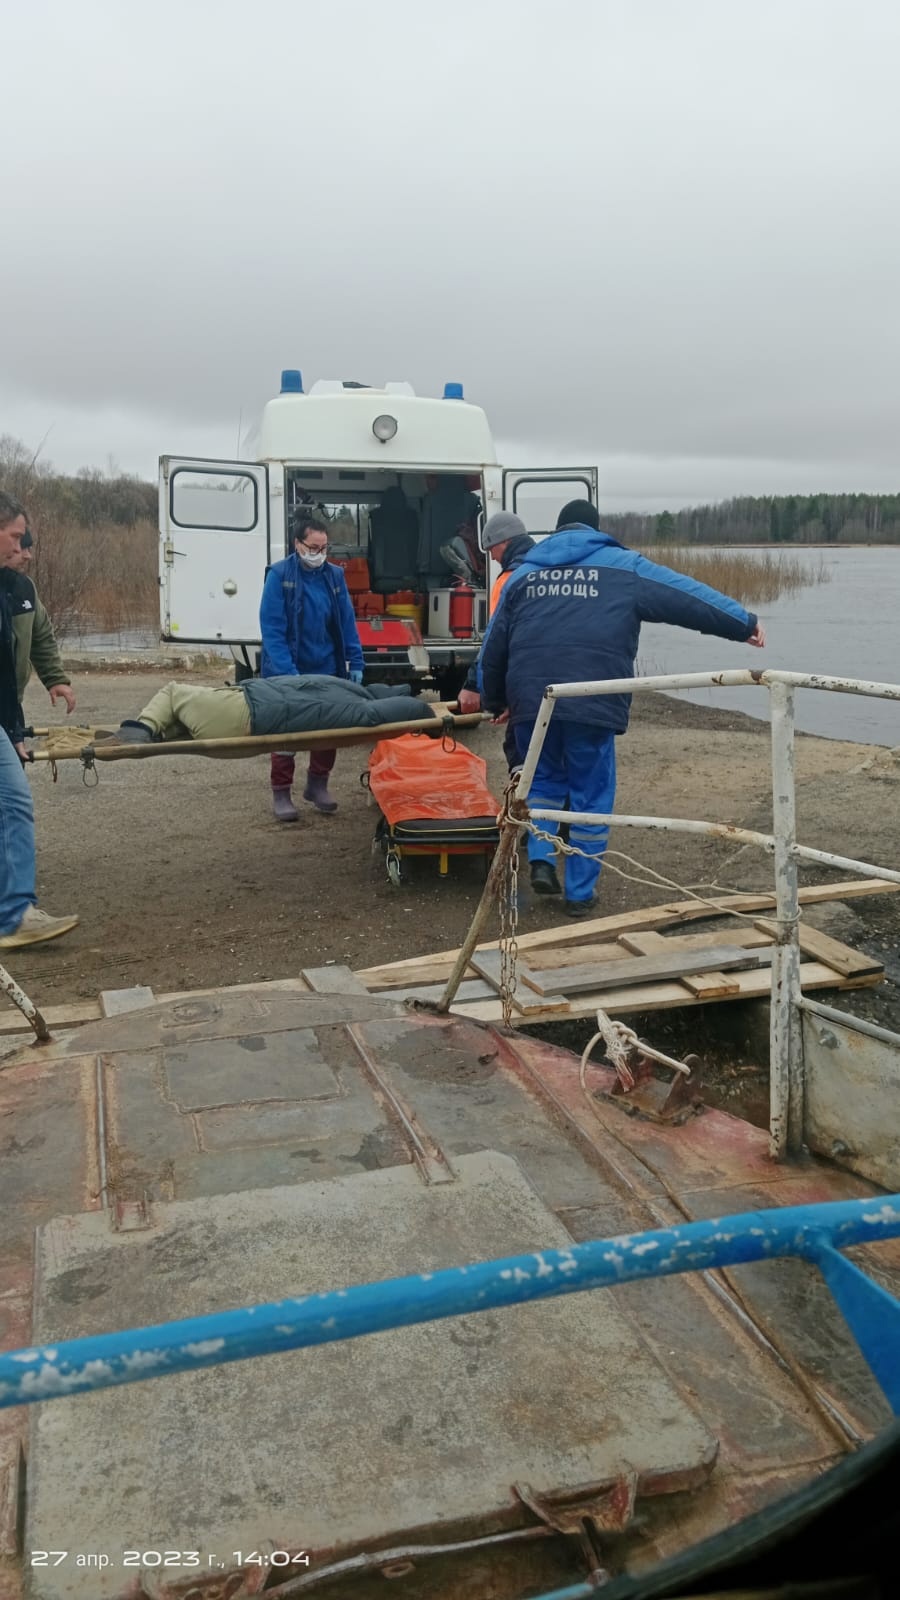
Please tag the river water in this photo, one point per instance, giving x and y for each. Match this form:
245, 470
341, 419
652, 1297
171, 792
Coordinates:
847, 627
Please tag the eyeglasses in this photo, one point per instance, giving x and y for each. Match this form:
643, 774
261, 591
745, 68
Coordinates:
314, 549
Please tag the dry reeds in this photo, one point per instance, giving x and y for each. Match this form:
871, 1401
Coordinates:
752, 578
95, 550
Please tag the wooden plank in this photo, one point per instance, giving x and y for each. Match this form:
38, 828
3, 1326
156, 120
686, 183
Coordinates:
680, 911
291, 985
712, 985
675, 912
427, 971
487, 963
704, 985
652, 944
469, 989
563, 957
333, 980
70, 1016
821, 947
752, 985
746, 935
646, 969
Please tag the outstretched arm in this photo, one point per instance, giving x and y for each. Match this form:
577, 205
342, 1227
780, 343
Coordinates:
667, 596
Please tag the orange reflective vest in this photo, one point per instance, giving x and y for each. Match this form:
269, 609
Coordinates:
495, 592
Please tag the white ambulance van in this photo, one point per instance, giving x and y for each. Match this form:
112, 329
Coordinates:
397, 478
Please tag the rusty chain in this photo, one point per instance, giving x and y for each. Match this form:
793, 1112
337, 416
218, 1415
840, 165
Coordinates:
509, 909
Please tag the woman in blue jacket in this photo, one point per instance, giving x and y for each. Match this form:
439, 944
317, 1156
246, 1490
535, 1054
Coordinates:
307, 624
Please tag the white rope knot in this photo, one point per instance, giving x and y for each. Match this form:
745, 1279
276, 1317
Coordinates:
619, 1042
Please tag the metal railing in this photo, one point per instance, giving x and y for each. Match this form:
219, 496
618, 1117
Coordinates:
29, 1010
788, 1001
815, 1233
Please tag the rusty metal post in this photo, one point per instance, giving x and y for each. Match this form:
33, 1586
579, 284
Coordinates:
786, 1091
508, 839
30, 1011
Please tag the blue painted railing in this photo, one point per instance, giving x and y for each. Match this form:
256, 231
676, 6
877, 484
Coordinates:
814, 1233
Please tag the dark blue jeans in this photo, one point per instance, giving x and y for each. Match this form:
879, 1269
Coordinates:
17, 866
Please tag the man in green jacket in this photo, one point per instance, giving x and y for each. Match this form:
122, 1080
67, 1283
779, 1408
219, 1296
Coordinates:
35, 642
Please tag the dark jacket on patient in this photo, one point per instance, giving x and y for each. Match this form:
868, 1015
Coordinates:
308, 704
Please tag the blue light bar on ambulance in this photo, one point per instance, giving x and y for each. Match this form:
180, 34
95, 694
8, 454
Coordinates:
291, 381
453, 391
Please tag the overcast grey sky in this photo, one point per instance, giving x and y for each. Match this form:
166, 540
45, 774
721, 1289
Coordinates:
658, 235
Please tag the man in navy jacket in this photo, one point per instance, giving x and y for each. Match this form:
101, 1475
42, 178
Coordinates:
572, 611
308, 627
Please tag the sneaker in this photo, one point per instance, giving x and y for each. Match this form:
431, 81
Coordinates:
37, 927
544, 879
579, 908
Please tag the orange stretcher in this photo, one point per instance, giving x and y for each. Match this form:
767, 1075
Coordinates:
434, 800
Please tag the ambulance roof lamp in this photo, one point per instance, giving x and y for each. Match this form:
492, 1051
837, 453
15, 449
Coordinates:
384, 428
453, 391
291, 381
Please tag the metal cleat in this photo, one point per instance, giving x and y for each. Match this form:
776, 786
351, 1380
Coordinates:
671, 1101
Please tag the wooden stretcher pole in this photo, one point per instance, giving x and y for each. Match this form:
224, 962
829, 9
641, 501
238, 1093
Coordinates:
509, 838
258, 744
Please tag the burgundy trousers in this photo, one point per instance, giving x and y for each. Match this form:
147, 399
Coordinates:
320, 764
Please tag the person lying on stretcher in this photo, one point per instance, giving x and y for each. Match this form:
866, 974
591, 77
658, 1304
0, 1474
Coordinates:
305, 704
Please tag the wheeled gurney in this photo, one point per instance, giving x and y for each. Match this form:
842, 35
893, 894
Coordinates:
434, 801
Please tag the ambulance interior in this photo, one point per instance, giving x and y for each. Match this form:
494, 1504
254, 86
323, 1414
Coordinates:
406, 540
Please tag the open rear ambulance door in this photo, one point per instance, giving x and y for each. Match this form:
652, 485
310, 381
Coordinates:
214, 549
539, 494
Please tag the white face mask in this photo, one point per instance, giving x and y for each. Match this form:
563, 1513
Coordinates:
313, 559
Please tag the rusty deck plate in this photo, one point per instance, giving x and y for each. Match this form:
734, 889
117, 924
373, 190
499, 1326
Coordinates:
419, 1429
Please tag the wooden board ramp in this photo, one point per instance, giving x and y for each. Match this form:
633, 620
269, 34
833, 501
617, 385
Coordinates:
625, 963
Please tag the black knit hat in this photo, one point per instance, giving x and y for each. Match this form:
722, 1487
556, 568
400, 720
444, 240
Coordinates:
27, 540
579, 511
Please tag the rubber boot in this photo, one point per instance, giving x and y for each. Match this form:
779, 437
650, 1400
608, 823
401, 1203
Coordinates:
317, 791
283, 806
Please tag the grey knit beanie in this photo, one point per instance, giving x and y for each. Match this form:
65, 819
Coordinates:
503, 525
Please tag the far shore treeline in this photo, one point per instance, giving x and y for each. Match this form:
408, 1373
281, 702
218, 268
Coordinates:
768, 519
96, 536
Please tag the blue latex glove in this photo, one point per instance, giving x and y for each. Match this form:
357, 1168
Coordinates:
356, 675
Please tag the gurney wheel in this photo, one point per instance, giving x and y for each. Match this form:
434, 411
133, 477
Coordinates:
394, 869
